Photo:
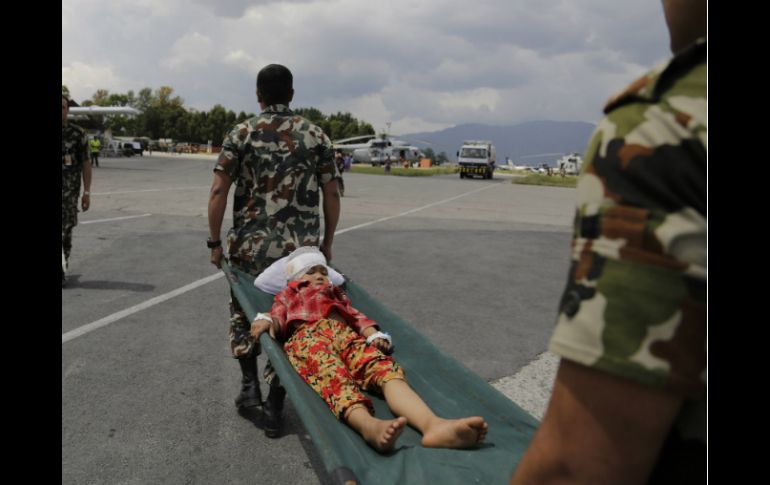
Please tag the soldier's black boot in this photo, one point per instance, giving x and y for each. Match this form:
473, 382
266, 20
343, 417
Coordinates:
250, 396
273, 410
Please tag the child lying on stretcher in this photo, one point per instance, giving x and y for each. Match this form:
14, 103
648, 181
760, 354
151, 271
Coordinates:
338, 351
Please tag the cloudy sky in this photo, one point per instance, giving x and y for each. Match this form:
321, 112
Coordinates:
421, 65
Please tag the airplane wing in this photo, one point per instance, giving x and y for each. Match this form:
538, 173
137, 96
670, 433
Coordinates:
79, 111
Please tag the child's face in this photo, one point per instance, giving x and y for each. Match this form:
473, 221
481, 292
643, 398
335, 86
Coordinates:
318, 275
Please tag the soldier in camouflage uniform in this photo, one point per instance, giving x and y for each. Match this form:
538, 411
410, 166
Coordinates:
74, 165
278, 162
629, 401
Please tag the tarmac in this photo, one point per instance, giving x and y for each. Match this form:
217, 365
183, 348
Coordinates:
148, 382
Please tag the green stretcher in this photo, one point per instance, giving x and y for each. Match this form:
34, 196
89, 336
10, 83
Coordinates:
448, 387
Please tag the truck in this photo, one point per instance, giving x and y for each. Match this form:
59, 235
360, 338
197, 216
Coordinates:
477, 158
570, 164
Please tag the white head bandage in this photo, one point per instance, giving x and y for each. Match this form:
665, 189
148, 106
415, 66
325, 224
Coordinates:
302, 260
274, 278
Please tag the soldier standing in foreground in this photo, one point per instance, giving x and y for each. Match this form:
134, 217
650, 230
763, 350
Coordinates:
74, 165
278, 162
629, 400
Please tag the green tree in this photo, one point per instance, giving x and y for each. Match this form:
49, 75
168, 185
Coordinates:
198, 127
152, 123
100, 97
338, 125
120, 125
312, 114
163, 98
216, 125
143, 99
230, 119
170, 122
163, 115
117, 100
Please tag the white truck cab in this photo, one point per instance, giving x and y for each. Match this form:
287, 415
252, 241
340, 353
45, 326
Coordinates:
477, 157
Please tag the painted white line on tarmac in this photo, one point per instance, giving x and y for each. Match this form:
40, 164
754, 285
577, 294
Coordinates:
383, 219
80, 331
66, 337
114, 219
531, 387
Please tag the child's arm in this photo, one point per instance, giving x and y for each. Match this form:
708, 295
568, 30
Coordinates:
272, 322
364, 325
381, 341
368, 328
263, 322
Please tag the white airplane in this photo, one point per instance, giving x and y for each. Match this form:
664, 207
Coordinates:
570, 164
509, 165
76, 112
378, 149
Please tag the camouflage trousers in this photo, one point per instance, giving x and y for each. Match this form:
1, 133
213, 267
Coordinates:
69, 219
242, 346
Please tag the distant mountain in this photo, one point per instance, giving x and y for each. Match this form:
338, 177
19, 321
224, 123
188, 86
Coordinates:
519, 142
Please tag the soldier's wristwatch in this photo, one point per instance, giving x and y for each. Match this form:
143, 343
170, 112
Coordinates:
213, 244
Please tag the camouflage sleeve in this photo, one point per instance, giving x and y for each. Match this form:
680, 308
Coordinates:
229, 159
326, 169
635, 301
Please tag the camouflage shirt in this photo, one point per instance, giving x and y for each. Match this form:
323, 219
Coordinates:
635, 301
74, 153
278, 162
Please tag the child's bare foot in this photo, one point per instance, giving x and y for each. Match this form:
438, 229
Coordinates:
455, 433
382, 435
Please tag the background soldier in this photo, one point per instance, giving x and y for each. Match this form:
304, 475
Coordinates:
74, 165
629, 400
278, 161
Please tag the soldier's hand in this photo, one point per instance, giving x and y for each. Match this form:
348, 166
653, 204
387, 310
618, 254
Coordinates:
327, 252
85, 202
216, 257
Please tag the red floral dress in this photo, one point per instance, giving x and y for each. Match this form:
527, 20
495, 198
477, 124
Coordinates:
329, 355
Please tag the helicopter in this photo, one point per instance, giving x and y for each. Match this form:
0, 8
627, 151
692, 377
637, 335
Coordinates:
377, 149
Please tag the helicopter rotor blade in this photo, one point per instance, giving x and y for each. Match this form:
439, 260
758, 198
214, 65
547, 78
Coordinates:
345, 140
